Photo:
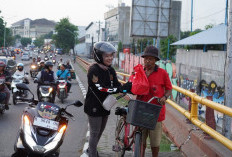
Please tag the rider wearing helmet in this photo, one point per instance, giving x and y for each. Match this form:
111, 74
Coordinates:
47, 75
4, 87
41, 65
102, 81
68, 66
64, 73
20, 71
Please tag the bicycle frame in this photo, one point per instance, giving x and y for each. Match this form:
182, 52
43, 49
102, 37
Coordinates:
127, 137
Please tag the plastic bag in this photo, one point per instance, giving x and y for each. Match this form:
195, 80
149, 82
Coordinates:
140, 84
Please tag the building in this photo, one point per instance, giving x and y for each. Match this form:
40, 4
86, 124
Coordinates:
94, 32
117, 25
32, 28
175, 19
203, 69
80, 47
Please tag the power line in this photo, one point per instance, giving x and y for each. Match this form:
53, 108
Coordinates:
203, 17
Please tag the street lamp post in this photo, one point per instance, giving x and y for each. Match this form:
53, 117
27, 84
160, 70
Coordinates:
74, 40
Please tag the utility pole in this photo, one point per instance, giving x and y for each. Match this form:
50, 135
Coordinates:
228, 77
226, 13
99, 28
191, 15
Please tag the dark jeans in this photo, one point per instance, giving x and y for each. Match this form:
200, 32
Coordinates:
97, 126
68, 86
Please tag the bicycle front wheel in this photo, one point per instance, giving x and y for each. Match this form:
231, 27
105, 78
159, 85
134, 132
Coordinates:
137, 145
120, 138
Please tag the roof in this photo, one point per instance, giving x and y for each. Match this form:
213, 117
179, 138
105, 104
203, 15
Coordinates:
212, 36
42, 21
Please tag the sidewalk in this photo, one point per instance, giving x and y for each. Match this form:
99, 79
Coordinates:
107, 139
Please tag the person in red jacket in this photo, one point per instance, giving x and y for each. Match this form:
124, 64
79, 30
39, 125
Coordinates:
160, 86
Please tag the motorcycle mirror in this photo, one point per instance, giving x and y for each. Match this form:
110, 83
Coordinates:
22, 86
78, 103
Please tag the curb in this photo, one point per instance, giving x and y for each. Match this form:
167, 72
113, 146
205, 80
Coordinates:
83, 90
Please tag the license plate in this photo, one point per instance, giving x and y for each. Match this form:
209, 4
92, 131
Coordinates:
46, 123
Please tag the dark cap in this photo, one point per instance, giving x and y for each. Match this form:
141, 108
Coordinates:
151, 51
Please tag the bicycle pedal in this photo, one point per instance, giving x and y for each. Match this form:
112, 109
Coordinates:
116, 148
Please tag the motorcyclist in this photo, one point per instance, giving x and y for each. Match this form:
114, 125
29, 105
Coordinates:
38, 59
64, 73
60, 61
4, 88
47, 76
68, 66
41, 65
33, 64
20, 71
46, 57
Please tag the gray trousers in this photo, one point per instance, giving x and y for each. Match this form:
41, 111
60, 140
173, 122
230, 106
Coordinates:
97, 126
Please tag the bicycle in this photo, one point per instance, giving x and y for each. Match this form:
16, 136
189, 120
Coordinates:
128, 130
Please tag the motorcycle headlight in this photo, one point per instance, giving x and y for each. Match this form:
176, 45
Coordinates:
50, 89
27, 132
55, 141
33, 66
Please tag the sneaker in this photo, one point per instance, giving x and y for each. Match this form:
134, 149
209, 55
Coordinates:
6, 107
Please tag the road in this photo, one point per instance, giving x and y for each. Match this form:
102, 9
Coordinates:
75, 135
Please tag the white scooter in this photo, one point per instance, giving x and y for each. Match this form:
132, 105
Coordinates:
15, 91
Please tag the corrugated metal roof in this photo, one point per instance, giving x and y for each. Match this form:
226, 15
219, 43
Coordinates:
215, 35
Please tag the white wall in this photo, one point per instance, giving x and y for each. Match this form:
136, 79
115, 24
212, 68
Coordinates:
92, 31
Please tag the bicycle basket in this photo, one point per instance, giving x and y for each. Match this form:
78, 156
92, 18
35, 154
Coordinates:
143, 114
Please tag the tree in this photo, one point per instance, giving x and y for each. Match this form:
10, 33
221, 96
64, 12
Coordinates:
164, 47
66, 32
25, 41
39, 42
8, 34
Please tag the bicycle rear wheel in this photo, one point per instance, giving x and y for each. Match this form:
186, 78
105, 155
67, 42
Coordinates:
120, 138
137, 145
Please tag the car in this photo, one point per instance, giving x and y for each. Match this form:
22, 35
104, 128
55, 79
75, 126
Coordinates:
25, 56
10, 64
59, 51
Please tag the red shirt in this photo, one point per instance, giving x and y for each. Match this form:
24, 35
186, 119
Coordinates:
159, 82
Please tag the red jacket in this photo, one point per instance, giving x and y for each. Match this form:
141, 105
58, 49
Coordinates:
159, 82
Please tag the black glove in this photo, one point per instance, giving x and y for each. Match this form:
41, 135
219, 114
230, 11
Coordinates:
126, 88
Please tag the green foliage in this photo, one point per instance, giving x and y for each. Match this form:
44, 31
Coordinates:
120, 48
65, 39
39, 42
9, 40
25, 41
143, 43
48, 36
164, 47
209, 26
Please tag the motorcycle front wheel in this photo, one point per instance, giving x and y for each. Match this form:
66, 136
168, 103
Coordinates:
14, 98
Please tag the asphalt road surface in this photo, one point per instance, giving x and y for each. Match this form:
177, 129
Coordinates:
75, 135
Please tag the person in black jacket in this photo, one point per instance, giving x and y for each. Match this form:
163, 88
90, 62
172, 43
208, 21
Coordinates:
102, 81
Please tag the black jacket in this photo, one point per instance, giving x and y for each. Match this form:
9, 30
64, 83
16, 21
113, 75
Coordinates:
101, 83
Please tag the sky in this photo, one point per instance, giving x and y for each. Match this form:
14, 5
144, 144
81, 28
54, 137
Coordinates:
82, 12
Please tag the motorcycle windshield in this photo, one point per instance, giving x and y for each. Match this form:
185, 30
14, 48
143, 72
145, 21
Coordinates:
48, 110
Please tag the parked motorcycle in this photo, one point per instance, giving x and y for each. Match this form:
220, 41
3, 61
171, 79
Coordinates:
34, 70
43, 128
15, 91
62, 92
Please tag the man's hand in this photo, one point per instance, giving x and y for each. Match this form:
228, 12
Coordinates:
163, 100
8, 83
